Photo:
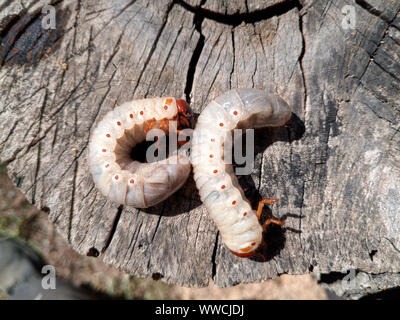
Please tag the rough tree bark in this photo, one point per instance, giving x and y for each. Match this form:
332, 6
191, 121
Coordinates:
336, 172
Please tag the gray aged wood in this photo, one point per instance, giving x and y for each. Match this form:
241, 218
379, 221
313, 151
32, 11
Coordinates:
338, 181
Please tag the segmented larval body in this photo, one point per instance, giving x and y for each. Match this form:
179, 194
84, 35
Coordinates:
218, 186
122, 179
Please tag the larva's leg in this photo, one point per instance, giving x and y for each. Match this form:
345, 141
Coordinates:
274, 221
269, 220
261, 205
184, 121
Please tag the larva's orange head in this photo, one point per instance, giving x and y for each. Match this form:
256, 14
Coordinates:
244, 254
182, 106
247, 252
184, 113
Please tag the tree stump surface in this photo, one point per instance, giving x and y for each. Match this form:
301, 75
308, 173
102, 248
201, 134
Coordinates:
336, 171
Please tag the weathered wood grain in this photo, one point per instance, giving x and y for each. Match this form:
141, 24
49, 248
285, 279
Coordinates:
233, 7
335, 168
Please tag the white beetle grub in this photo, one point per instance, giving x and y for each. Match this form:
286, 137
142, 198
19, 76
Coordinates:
218, 186
124, 180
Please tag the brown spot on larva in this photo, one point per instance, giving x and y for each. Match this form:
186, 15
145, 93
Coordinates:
131, 116
132, 181
108, 135
166, 107
104, 150
233, 202
168, 101
116, 177
211, 156
244, 214
141, 113
119, 123
253, 244
212, 140
223, 186
221, 124
235, 113
107, 165
215, 171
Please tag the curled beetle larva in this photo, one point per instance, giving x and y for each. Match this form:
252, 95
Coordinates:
218, 186
116, 174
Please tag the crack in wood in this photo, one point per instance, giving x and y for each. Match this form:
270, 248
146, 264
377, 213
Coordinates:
71, 213
391, 242
214, 256
236, 19
133, 242
365, 5
394, 76
197, 21
301, 60
39, 147
113, 228
39, 152
233, 58
391, 123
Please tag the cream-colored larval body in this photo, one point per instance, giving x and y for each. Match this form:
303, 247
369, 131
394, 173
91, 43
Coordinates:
218, 186
122, 179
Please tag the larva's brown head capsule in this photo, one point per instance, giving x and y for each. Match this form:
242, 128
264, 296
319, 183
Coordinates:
244, 254
250, 250
184, 113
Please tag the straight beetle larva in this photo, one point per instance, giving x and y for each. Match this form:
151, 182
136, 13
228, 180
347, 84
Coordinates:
218, 186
